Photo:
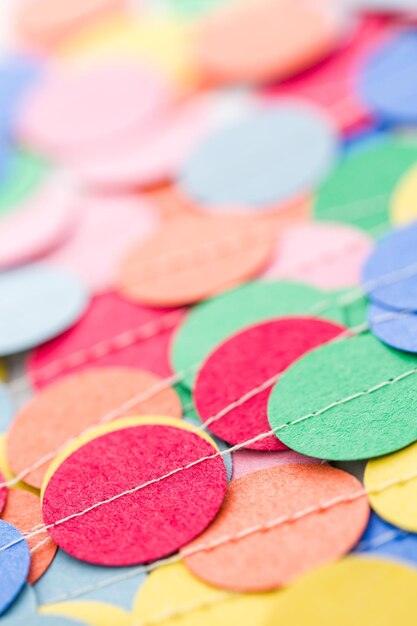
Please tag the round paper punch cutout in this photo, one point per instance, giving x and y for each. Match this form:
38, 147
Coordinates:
403, 209
391, 482
356, 590
112, 332
17, 74
388, 81
23, 511
238, 42
25, 175
212, 321
395, 328
38, 302
45, 23
191, 258
390, 274
291, 146
76, 108
41, 222
98, 243
86, 583
325, 255
165, 598
350, 195
147, 522
104, 394
337, 401
290, 523
3, 494
14, 564
243, 364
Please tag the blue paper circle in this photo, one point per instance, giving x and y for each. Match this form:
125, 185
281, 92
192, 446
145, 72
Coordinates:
14, 565
37, 303
40, 619
17, 74
270, 155
390, 274
383, 539
6, 408
397, 329
70, 579
388, 82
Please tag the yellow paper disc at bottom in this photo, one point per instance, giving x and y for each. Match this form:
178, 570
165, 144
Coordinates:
172, 596
353, 592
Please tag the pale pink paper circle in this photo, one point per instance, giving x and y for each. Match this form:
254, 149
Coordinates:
108, 226
249, 461
322, 254
43, 221
75, 109
147, 155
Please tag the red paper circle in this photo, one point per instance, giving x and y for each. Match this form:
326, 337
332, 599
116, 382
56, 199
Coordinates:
112, 332
149, 523
244, 362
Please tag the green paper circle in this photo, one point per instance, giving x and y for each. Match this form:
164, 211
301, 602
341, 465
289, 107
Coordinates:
359, 190
367, 426
196, 7
210, 322
26, 173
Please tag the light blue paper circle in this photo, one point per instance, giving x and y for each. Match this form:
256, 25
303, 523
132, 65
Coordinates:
6, 408
14, 565
390, 274
17, 74
388, 81
269, 156
37, 303
68, 579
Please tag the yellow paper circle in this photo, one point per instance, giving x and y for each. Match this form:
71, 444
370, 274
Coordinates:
165, 43
172, 596
404, 200
89, 612
353, 592
391, 481
126, 422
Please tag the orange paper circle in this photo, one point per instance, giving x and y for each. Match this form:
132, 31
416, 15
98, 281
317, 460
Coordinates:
277, 524
191, 258
261, 40
68, 407
23, 510
46, 22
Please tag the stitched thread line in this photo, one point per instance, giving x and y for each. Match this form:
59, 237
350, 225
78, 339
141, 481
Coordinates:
219, 454
343, 300
265, 527
145, 331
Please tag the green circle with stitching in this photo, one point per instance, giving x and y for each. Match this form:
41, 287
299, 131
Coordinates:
350, 399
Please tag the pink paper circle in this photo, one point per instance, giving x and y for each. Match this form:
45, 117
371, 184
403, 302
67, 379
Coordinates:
108, 227
112, 332
325, 255
41, 222
3, 493
247, 361
147, 155
249, 461
74, 109
148, 523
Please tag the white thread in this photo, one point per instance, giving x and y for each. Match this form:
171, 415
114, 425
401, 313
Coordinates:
219, 454
271, 524
108, 417
102, 348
